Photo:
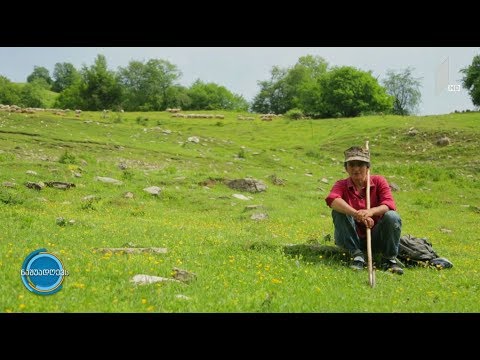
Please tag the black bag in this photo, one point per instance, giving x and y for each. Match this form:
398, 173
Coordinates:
415, 251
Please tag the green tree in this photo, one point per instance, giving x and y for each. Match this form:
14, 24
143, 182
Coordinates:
349, 92
146, 85
211, 96
64, 75
177, 97
70, 98
294, 87
9, 92
302, 80
31, 94
405, 90
272, 97
39, 72
99, 88
471, 80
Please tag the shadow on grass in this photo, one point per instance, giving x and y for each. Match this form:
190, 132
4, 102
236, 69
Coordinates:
315, 253
260, 246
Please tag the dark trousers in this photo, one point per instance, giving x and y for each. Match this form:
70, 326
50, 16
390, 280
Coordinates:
385, 234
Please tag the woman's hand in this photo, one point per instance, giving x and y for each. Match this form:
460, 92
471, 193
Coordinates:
364, 216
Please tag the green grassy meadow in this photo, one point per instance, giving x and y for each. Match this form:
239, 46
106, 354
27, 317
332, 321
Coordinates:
239, 262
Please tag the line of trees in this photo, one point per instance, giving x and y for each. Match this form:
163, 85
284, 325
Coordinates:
310, 87
140, 86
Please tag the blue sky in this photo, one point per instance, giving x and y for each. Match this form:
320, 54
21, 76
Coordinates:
239, 68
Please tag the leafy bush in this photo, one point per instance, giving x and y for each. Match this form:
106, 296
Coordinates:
67, 158
142, 121
10, 198
294, 114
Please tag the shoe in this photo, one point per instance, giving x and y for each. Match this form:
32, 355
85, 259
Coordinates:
358, 263
392, 266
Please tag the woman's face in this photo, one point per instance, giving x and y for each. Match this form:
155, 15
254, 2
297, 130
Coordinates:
357, 170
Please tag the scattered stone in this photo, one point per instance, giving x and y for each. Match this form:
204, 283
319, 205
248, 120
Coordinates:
31, 172
324, 180
108, 180
128, 195
141, 279
183, 275
129, 250
60, 221
60, 185
247, 184
182, 297
444, 141
259, 216
90, 198
446, 231
276, 180
33, 185
242, 197
153, 190
9, 184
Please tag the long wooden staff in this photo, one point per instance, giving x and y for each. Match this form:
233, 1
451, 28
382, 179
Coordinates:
371, 273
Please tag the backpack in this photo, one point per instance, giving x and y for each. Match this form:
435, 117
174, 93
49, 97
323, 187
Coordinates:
414, 251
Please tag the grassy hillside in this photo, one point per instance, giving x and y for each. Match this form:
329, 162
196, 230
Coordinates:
48, 97
239, 262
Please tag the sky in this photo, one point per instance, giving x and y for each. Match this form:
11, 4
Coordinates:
240, 68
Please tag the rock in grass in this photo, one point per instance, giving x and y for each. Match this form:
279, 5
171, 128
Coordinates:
108, 180
242, 197
183, 275
61, 221
247, 184
259, 216
59, 185
142, 279
153, 190
127, 250
35, 185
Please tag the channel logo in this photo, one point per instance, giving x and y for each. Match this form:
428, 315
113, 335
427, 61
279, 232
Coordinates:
42, 272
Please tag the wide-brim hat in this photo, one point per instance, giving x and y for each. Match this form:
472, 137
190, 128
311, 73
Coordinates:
357, 153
